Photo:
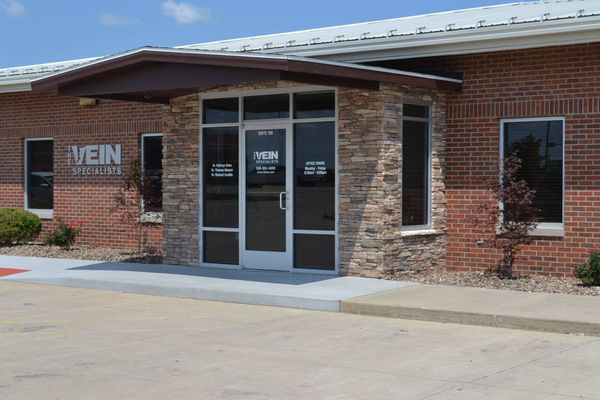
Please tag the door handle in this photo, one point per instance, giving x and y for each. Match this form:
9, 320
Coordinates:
281, 206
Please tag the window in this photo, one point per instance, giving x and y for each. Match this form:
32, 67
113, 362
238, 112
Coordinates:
538, 142
220, 111
314, 105
415, 165
39, 171
152, 172
267, 107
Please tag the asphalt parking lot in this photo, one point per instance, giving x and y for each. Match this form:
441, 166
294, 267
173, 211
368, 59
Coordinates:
65, 343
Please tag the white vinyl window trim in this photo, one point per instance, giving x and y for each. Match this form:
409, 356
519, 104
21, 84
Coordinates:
156, 217
423, 229
546, 229
42, 213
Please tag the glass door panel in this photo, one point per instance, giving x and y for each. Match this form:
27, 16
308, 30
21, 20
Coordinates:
267, 200
265, 190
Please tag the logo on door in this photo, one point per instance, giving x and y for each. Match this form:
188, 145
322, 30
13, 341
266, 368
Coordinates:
266, 157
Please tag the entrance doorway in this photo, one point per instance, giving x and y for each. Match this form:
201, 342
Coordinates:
269, 181
268, 209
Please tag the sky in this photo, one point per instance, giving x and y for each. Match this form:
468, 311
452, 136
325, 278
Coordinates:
40, 31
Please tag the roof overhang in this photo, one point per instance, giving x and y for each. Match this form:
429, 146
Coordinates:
157, 75
15, 86
462, 41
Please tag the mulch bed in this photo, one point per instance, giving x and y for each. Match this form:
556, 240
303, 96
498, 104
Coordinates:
542, 284
82, 253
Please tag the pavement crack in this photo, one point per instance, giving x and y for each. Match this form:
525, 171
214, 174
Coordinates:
535, 360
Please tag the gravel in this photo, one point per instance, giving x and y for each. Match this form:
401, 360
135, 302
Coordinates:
536, 283
82, 253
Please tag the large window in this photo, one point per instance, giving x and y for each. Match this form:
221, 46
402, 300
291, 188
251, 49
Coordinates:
539, 144
152, 166
415, 165
39, 174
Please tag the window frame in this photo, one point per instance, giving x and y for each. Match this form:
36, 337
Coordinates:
427, 227
242, 124
40, 212
550, 229
148, 216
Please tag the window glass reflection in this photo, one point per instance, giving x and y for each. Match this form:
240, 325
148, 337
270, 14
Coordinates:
40, 174
221, 177
267, 107
314, 180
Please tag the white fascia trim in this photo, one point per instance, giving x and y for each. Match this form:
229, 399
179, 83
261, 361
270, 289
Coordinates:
413, 46
22, 85
253, 55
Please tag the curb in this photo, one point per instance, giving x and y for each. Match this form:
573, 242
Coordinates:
467, 318
198, 293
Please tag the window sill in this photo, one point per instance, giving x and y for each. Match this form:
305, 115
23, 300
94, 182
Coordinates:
543, 230
43, 214
419, 232
548, 231
151, 218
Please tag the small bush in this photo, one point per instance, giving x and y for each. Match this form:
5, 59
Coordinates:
589, 273
63, 236
18, 226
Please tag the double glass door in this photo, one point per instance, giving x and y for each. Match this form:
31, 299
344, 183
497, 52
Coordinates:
266, 189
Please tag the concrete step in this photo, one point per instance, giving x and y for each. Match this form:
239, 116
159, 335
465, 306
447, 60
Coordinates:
270, 288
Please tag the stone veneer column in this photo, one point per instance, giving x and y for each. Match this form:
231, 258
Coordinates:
369, 181
370, 191
181, 181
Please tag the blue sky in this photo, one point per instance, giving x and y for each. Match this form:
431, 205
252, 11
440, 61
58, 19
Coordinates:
38, 31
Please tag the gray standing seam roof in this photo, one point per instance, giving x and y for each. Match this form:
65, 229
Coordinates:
474, 20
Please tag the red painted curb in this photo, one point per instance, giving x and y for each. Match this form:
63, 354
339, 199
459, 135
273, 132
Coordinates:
11, 271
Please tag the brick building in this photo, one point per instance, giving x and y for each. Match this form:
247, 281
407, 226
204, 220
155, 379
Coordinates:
360, 149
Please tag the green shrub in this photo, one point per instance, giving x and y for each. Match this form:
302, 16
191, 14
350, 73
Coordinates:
589, 273
63, 236
18, 226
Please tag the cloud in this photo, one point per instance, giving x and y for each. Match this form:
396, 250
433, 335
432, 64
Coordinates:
118, 20
13, 8
185, 13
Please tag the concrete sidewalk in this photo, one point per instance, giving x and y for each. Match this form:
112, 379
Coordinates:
486, 307
446, 304
281, 289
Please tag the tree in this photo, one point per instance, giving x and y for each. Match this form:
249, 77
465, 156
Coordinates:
130, 197
509, 215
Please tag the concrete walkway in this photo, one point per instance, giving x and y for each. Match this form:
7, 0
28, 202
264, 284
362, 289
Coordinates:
282, 289
447, 304
486, 307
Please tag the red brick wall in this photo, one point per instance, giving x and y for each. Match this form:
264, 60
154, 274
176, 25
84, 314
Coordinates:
556, 81
90, 199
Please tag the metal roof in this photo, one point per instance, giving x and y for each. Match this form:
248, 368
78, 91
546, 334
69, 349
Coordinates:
513, 25
475, 20
16, 79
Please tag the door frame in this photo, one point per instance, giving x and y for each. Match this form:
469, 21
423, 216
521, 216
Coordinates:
248, 257
240, 124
